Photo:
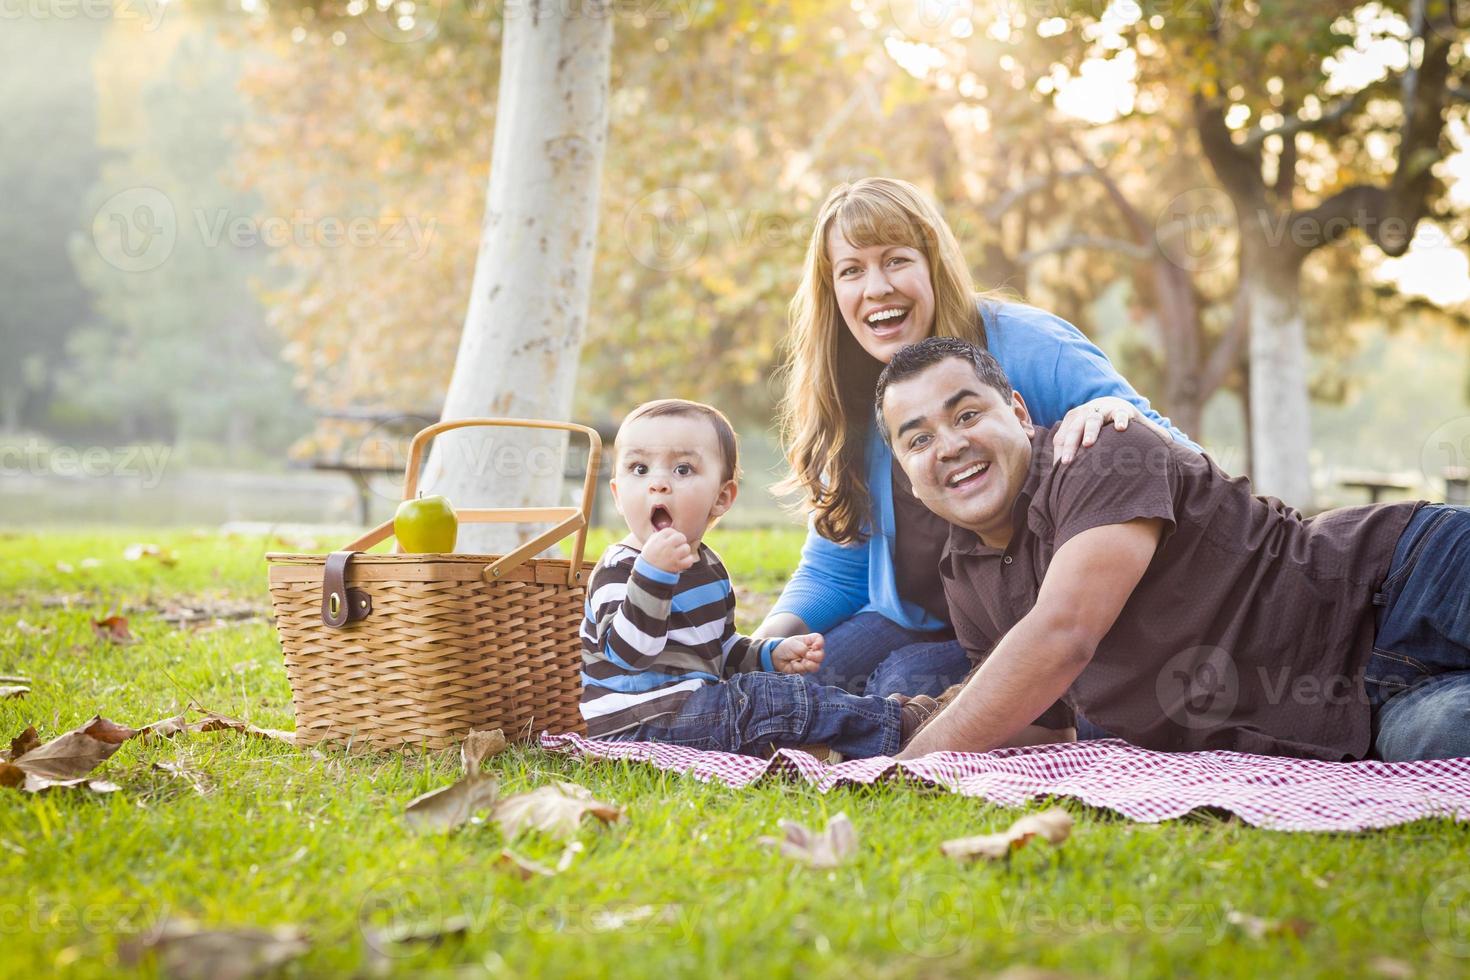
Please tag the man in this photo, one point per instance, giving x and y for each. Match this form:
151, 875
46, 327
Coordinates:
1145, 589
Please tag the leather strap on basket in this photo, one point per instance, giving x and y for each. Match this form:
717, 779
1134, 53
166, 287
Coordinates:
341, 605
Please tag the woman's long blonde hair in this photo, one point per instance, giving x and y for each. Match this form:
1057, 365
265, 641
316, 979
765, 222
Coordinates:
827, 408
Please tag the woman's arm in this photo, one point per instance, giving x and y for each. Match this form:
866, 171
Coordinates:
829, 585
1063, 375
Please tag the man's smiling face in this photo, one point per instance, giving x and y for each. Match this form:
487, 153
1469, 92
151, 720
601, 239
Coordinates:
964, 446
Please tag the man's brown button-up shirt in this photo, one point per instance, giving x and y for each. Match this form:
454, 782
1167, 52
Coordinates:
1251, 627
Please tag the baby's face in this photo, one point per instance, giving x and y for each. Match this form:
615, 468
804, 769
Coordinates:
670, 473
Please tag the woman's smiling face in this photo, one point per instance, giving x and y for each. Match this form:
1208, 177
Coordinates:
884, 292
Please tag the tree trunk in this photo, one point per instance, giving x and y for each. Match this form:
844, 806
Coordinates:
528, 307
1280, 414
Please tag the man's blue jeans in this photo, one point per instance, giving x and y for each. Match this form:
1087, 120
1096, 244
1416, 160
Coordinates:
871, 654
1418, 678
750, 713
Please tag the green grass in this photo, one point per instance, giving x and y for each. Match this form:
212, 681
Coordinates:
315, 839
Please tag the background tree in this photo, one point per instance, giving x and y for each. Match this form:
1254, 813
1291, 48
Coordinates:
48, 159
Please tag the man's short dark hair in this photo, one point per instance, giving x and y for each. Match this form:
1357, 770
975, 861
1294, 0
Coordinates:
916, 358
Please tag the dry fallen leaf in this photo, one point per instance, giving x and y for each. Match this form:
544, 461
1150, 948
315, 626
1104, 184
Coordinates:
23, 743
135, 551
75, 753
528, 869
193, 777
450, 806
185, 951
827, 849
1258, 928
213, 722
26, 629
11, 775
113, 629
1387, 966
39, 784
1052, 826
556, 810
164, 727
479, 746
13, 691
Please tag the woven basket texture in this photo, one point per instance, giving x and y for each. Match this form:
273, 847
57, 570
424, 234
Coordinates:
442, 652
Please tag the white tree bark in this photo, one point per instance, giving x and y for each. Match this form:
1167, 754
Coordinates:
528, 308
1281, 421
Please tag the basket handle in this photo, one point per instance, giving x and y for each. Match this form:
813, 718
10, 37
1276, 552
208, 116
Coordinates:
569, 519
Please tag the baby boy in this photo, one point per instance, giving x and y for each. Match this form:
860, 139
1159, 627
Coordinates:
661, 660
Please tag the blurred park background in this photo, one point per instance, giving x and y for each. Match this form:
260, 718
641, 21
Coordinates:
238, 237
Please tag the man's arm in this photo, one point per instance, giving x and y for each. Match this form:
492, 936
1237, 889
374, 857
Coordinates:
1087, 584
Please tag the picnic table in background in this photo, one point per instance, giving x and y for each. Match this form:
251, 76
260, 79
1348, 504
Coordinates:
1457, 485
363, 443
1377, 484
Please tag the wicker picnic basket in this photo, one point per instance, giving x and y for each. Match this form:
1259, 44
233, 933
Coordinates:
390, 650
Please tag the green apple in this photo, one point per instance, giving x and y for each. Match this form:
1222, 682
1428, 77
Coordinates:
426, 526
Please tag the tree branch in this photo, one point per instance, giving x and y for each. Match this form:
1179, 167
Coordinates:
1296, 124
1131, 249
1040, 182
1238, 168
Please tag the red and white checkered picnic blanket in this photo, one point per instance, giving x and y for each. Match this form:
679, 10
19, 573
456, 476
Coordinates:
1267, 791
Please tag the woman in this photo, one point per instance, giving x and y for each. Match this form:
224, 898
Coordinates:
884, 270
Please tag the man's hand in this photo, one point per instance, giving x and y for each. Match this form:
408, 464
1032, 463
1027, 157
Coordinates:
799, 654
669, 550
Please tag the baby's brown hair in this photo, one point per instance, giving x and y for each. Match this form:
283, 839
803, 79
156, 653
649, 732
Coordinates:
724, 431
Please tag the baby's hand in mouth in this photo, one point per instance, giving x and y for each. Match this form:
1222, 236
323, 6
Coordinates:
669, 550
